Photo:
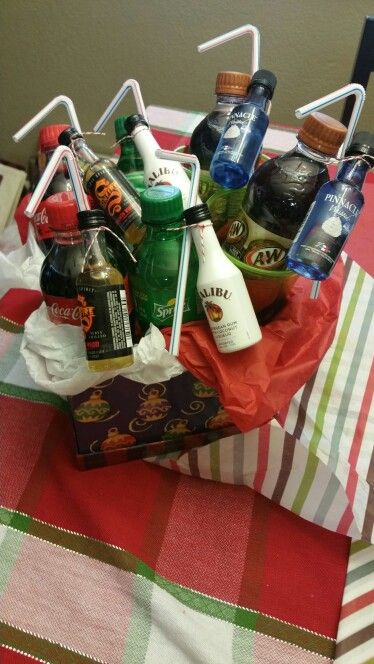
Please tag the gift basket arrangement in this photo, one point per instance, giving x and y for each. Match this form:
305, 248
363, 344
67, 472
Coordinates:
187, 295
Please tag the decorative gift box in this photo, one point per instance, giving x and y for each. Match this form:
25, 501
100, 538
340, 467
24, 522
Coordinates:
121, 420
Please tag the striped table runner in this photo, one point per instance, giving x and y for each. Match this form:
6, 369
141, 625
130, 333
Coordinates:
355, 641
316, 458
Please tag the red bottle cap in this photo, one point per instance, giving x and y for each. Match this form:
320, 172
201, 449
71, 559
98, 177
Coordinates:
62, 211
48, 136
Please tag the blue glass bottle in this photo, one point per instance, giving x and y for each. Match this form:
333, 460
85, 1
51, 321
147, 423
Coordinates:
333, 215
242, 138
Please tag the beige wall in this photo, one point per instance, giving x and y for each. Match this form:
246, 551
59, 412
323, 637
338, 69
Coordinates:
86, 48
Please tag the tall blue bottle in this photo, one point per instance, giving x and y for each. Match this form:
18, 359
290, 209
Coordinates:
333, 215
242, 138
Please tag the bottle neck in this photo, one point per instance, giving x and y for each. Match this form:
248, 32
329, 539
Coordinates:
85, 156
144, 141
67, 237
206, 241
229, 100
353, 172
96, 252
304, 149
164, 232
259, 96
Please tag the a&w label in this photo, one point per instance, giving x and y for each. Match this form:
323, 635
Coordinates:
254, 245
62, 310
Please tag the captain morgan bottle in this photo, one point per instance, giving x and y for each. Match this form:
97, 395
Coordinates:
102, 300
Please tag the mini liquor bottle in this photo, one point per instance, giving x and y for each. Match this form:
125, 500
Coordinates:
108, 187
280, 193
333, 215
240, 144
154, 279
222, 288
102, 300
156, 171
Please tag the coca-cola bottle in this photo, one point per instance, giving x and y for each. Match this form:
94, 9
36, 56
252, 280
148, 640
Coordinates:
64, 261
48, 142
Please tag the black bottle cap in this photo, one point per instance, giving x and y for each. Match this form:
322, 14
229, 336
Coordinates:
133, 121
197, 213
265, 78
67, 136
362, 143
88, 219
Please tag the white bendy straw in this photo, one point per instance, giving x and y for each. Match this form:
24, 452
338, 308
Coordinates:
233, 34
61, 100
186, 244
130, 84
350, 89
61, 152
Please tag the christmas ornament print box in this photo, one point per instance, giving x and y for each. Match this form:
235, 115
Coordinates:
121, 420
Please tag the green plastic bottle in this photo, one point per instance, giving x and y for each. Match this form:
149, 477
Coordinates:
154, 278
129, 160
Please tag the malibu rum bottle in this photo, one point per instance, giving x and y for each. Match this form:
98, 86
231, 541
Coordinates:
102, 300
222, 288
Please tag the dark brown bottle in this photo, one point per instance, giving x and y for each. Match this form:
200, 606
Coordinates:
109, 188
64, 261
280, 193
48, 142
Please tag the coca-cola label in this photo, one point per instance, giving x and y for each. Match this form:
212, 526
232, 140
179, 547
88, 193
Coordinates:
41, 226
62, 310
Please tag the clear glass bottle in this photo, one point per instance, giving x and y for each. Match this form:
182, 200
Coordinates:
109, 188
280, 193
333, 215
102, 300
240, 144
231, 90
155, 276
222, 288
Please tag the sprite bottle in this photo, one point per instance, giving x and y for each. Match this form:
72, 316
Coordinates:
154, 279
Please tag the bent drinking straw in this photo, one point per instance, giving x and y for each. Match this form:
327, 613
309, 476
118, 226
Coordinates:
186, 244
57, 101
350, 89
130, 84
61, 152
233, 34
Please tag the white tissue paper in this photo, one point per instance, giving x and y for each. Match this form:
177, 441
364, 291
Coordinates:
56, 360
20, 266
